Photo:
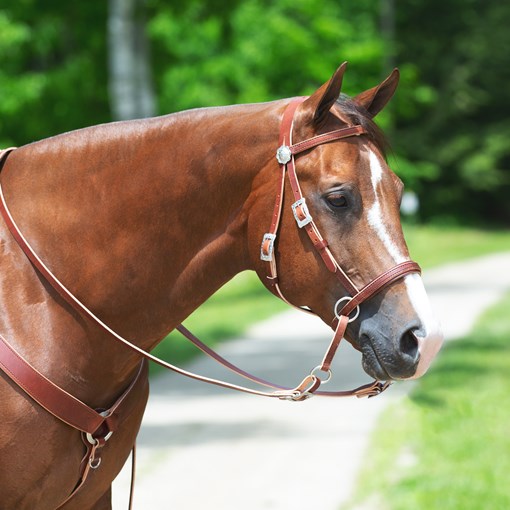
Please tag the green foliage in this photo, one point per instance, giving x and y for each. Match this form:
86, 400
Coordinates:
448, 445
453, 110
449, 123
258, 51
52, 68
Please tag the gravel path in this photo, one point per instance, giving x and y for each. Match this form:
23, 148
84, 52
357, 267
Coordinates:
202, 447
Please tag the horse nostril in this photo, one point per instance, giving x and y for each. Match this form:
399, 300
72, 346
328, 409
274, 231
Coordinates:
409, 344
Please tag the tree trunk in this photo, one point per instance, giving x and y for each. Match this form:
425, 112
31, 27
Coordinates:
388, 32
130, 78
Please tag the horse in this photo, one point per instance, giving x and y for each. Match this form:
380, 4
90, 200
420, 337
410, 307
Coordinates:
144, 220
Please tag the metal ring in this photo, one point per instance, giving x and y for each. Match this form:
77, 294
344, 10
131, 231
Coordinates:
318, 367
94, 441
94, 463
348, 299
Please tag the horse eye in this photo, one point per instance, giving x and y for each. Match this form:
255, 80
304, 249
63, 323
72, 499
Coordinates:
337, 200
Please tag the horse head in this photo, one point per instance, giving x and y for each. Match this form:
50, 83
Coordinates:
353, 198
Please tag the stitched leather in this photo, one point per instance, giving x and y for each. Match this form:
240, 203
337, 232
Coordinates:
57, 401
338, 134
311, 229
54, 399
382, 281
335, 342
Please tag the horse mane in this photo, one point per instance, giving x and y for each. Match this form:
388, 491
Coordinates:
357, 114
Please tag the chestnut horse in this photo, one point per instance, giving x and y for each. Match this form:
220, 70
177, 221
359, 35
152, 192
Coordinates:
144, 220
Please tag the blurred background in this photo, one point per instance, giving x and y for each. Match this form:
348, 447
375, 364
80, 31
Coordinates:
67, 65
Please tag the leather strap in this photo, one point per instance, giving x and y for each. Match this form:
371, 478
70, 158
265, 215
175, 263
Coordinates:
382, 281
282, 393
337, 134
311, 382
335, 342
59, 402
288, 167
286, 392
55, 400
96, 427
286, 157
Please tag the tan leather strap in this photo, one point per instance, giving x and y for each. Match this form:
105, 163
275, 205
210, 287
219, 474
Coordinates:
285, 393
285, 156
4, 153
96, 427
379, 283
335, 342
337, 134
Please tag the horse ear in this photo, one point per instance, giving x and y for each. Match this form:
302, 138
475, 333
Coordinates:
321, 101
376, 98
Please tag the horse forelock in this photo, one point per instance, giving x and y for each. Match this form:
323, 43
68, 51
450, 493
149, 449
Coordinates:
357, 115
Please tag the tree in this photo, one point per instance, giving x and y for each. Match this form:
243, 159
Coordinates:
52, 68
130, 73
450, 116
453, 113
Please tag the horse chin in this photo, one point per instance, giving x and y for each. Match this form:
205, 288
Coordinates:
371, 364
384, 365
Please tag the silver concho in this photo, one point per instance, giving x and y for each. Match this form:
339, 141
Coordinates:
283, 154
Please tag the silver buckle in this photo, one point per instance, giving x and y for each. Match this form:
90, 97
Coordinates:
308, 218
283, 154
268, 257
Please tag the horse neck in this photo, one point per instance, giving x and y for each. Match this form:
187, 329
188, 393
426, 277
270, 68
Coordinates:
146, 219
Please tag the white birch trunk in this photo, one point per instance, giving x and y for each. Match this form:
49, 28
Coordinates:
130, 79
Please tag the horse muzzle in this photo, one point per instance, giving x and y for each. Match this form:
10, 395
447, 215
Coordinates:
399, 355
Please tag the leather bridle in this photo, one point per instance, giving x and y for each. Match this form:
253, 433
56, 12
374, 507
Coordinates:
98, 425
285, 156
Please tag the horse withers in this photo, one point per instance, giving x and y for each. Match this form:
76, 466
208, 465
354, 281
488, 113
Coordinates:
144, 220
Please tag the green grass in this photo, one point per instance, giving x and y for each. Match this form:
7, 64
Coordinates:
431, 245
244, 300
447, 446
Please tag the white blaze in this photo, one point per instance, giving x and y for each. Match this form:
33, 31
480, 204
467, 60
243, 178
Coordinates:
431, 342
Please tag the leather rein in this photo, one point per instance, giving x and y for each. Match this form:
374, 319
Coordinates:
97, 426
